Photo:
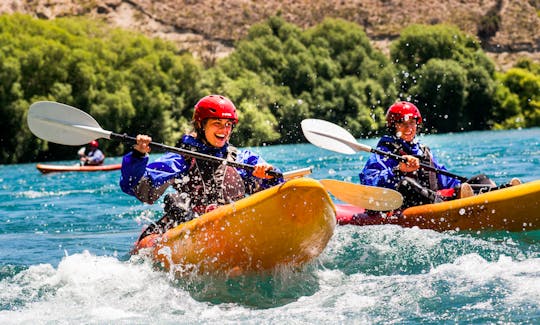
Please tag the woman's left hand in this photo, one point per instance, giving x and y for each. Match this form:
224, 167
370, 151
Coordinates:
260, 170
412, 164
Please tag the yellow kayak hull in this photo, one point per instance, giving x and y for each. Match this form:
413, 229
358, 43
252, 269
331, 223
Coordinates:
515, 208
285, 226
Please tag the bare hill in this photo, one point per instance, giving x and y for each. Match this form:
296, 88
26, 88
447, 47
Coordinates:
509, 29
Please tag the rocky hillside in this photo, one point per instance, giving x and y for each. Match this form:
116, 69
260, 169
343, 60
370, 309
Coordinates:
509, 29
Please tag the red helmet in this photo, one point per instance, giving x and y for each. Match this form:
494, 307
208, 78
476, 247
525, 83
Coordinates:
402, 111
94, 144
215, 106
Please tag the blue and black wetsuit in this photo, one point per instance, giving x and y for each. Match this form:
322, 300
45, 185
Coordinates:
201, 185
384, 171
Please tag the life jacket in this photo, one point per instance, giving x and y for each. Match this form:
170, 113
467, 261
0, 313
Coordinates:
424, 177
91, 153
209, 184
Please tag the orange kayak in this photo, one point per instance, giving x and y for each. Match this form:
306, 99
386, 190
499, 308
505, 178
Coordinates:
284, 226
515, 208
75, 168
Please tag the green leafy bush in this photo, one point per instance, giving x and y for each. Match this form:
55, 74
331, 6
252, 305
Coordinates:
128, 82
448, 75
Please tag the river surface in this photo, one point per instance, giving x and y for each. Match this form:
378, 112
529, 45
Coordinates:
65, 240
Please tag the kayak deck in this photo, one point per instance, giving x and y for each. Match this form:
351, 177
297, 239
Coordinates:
45, 169
286, 225
515, 208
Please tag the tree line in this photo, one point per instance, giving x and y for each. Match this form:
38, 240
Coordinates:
278, 75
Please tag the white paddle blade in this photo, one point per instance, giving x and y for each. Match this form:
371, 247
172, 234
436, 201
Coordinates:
368, 197
328, 136
63, 124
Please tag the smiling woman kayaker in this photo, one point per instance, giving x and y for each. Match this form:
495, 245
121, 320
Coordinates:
418, 186
201, 185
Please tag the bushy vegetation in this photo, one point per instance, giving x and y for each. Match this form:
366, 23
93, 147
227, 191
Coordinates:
329, 72
522, 86
126, 81
277, 76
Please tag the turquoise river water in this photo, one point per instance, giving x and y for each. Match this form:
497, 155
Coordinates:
65, 240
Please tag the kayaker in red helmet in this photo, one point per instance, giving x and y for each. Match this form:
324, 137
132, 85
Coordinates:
418, 186
201, 185
91, 156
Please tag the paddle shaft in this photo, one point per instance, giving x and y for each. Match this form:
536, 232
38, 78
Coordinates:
422, 165
67, 125
155, 145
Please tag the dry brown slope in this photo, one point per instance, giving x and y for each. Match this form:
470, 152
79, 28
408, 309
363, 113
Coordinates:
210, 27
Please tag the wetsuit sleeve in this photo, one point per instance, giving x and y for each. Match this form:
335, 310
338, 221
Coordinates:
133, 169
380, 171
254, 184
148, 181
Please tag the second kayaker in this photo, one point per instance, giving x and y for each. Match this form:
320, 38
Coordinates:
418, 186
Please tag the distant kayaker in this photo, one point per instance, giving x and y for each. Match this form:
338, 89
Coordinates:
418, 186
91, 156
201, 185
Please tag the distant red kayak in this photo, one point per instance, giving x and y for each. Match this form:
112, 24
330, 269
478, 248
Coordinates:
45, 169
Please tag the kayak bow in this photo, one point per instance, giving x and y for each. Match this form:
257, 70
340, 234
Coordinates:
288, 225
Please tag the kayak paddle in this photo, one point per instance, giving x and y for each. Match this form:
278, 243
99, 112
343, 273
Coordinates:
64, 124
368, 197
333, 137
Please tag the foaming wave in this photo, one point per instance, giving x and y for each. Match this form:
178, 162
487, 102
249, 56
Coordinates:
517, 282
87, 288
31, 194
388, 250
94, 289
389, 274
469, 289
